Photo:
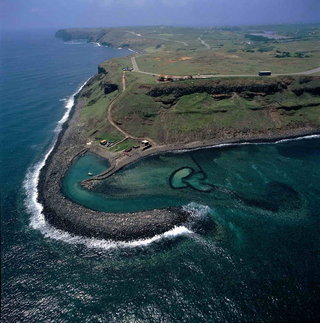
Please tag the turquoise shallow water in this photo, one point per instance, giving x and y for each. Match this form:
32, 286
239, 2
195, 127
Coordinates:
261, 266
258, 177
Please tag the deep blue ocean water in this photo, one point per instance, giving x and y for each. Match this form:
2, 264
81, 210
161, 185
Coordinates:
260, 265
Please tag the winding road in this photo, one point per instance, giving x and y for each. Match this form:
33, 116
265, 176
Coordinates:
126, 134
136, 69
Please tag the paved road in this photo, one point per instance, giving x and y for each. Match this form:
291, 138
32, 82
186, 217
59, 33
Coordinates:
203, 76
134, 64
309, 72
136, 67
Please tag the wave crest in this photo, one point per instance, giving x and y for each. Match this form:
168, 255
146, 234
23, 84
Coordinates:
38, 222
198, 213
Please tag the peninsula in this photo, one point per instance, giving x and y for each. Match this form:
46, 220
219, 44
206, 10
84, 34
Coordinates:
181, 88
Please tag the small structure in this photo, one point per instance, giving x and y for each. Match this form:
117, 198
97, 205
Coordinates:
127, 69
146, 147
145, 142
106, 143
264, 73
103, 142
169, 78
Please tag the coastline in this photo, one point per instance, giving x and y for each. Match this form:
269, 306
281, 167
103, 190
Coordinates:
64, 214
213, 143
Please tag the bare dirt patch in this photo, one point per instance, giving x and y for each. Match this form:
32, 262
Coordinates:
275, 116
180, 59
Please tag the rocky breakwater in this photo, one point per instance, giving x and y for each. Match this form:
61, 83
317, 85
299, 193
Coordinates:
64, 214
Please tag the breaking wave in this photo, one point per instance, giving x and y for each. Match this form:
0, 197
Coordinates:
35, 208
179, 151
197, 212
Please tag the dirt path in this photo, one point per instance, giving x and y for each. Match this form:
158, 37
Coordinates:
123, 81
126, 134
204, 43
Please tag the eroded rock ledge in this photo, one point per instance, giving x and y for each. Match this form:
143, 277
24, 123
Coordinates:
76, 219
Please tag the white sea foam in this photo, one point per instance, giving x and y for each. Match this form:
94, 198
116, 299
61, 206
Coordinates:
35, 208
109, 244
32, 178
180, 151
298, 138
38, 221
196, 211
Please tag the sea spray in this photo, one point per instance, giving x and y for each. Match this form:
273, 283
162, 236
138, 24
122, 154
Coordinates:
199, 217
196, 211
35, 208
31, 181
200, 221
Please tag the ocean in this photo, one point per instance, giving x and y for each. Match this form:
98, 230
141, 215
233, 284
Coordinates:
251, 254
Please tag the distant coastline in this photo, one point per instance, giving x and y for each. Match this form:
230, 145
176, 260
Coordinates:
71, 142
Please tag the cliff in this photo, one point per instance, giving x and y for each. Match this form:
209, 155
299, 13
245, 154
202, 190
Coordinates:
197, 110
116, 37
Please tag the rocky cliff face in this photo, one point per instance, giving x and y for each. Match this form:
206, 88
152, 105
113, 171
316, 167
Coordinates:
217, 87
109, 87
169, 93
102, 70
101, 81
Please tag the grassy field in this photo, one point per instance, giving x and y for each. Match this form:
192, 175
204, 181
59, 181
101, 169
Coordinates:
234, 59
93, 115
201, 115
234, 50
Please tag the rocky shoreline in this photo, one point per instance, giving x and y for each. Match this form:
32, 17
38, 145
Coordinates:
64, 214
180, 148
76, 219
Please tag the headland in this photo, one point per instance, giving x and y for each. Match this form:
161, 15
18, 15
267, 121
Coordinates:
131, 110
